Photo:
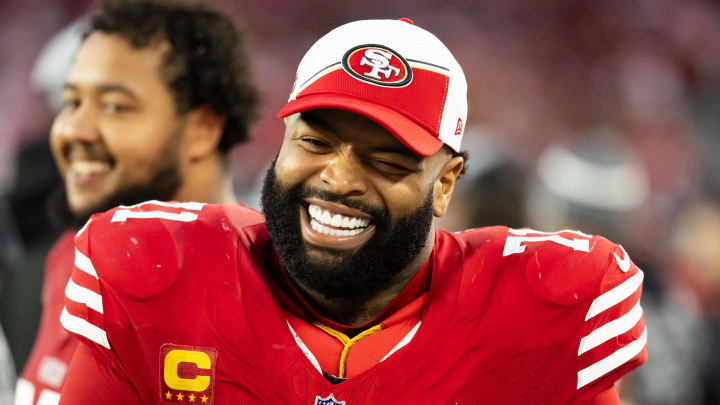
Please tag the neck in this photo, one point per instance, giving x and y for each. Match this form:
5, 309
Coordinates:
355, 311
207, 180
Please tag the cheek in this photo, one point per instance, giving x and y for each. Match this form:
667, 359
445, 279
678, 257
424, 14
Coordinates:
56, 143
137, 145
405, 198
291, 168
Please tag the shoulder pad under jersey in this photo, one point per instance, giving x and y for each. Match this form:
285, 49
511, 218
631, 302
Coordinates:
563, 267
139, 250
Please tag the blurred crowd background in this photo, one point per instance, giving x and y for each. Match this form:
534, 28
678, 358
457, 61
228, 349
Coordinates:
602, 116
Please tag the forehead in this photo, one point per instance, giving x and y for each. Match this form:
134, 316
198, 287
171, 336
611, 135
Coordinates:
109, 58
352, 128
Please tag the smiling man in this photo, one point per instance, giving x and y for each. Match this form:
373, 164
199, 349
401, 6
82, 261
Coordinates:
156, 96
348, 294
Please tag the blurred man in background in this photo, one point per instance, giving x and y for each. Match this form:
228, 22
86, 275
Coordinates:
157, 95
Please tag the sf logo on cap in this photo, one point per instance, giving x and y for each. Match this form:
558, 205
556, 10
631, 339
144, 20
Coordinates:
377, 64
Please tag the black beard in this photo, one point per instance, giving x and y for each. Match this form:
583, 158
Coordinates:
393, 246
162, 186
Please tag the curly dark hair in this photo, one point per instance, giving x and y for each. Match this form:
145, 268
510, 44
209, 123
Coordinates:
206, 64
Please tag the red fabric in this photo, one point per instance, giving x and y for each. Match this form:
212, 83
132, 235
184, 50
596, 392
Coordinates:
607, 397
411, 113
505, 327
53, 348
93, 381
366, 352
423, 102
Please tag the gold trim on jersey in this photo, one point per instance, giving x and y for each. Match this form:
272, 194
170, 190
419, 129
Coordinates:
347, 341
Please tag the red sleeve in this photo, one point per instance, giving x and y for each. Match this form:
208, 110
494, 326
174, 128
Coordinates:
613, 341
91, 381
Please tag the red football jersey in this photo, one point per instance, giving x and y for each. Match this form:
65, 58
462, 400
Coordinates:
175, 306
44, 373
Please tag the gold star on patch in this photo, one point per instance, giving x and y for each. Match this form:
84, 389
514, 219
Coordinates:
180, 396
168, 395
191, 398
204, 398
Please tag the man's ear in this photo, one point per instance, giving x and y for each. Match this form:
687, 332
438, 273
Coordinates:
445, 184
204, 130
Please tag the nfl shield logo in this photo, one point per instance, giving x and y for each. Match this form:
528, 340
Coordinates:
330, 400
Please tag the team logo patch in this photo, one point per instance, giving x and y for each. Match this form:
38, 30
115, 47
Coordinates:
330, 400
377, 64
187, 374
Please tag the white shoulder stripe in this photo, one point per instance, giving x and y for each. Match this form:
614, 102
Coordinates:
48, 397
24, 392
611, 329
84, 328
402, 343
305, 350
90, 298
83, 263
83, 228
616, 295
611, 362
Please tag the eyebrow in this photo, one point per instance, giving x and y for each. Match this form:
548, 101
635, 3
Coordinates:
317, 121
400, 150
106, 88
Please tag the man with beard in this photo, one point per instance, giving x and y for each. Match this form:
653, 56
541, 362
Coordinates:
347, 294
157, 95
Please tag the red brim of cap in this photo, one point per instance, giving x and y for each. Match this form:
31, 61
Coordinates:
412, 135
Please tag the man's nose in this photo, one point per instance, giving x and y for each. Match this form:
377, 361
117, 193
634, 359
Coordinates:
78, 125
344, 175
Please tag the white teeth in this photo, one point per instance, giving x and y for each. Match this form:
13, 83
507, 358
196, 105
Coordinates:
321, 217
325, 217
345, 222
89, 167
318, 227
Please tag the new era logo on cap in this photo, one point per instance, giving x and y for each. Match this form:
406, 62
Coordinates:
392, 72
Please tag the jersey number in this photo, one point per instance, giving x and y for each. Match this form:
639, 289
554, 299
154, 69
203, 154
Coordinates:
122, 215
515, 243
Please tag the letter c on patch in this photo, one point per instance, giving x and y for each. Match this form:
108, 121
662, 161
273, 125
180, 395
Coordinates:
170, 370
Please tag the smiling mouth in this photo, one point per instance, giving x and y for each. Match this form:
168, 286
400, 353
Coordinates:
334, 226
325, 221
87, 163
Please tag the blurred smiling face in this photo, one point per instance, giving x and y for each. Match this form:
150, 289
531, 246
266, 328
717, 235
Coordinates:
116, 138
341, 194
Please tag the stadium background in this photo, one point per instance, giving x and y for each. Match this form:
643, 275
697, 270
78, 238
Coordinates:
555, 88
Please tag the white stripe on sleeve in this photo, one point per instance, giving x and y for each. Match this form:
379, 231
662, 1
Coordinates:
48, 397
83, 228
84, 328
616, 295
611, 329
611, 362
90, 298
83, 263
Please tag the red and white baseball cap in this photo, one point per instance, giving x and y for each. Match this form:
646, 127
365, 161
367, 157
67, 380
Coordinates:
392, 72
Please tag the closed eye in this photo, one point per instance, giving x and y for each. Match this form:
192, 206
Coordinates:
314, 145
391, 168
